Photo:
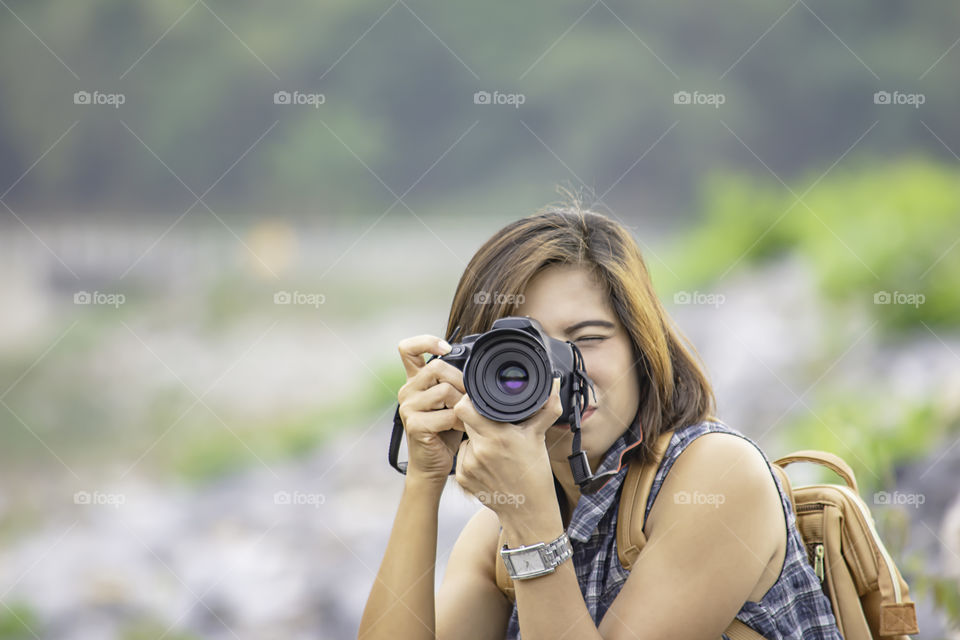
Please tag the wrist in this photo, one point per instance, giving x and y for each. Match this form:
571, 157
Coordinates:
426, 486
528, 526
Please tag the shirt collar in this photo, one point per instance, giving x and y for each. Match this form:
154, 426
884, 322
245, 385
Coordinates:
591, 508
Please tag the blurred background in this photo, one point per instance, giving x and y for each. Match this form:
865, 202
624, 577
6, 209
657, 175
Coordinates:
219, 218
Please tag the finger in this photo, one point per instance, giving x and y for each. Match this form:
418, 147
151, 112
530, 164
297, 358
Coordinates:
435, 372
412, 350
452, 439
440, 396
476, 425
433, 422
461, 456
548, 413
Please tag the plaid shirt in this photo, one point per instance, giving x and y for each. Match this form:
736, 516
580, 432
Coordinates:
794, 608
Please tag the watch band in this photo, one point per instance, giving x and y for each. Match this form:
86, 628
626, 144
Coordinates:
538, 559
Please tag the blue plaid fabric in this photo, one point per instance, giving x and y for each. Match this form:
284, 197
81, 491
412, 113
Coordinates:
794, 608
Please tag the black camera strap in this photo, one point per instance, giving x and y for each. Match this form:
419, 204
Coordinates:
579, 465
395, 438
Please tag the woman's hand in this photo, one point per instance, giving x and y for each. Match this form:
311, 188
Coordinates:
426, 408
506, 466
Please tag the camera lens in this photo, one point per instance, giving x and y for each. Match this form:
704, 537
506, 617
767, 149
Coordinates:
512, 378
508, 375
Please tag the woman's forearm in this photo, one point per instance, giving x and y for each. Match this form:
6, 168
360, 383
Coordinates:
549, 606
401, 601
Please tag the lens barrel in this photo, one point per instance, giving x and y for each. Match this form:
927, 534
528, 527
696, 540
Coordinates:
508, 375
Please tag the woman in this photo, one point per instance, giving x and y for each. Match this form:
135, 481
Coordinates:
722, 543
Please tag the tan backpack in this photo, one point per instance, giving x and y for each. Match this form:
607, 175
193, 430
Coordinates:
869, 597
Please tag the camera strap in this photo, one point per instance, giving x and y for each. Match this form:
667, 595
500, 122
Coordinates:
395, 439
579, 464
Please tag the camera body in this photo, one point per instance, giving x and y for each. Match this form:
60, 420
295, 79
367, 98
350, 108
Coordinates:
508, 371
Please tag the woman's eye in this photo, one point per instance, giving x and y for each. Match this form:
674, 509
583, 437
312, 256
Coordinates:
591, 338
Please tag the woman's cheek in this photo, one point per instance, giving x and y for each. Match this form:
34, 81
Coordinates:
597, 366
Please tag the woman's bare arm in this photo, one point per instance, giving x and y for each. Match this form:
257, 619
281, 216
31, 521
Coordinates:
470, 606
401, 602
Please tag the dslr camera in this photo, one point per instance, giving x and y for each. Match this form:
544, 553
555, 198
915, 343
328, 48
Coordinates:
508, 371
508, 374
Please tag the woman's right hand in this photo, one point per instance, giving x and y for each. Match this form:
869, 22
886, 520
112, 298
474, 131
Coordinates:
426, 408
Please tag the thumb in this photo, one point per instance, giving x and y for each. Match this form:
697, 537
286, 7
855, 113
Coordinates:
549, 412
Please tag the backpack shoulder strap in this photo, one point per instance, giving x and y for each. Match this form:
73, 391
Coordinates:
504, 581
787, 487
633, 503
739, 631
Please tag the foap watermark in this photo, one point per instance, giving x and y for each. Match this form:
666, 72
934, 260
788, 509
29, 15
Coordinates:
899, 297
499, 498
299, 498
698, 297
299, 298
512, 99
99, 97
696, 497
900, 98
99, 498
899, 498
495, 297
711, 99
299, 97
99, 298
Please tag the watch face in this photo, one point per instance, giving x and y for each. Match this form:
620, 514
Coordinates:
528, 562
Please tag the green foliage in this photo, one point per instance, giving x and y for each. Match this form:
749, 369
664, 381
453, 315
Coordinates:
17, 622
151, 629
211, 450
877, 227
945, 594
872, 432
925, 585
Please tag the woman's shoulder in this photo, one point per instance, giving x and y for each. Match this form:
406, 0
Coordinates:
692, 431
715, 465
714, 451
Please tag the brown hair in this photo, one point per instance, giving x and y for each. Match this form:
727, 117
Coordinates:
674, 391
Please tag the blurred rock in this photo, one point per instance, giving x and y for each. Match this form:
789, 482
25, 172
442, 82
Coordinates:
286, 550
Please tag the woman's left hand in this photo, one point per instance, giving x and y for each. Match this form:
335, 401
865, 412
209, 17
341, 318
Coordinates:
506, 466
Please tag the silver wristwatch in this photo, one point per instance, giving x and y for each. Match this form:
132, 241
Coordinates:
536, 559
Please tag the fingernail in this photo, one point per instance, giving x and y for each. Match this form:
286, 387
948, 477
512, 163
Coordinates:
445, 346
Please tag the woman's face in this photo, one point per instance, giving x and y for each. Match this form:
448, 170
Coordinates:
571, 305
